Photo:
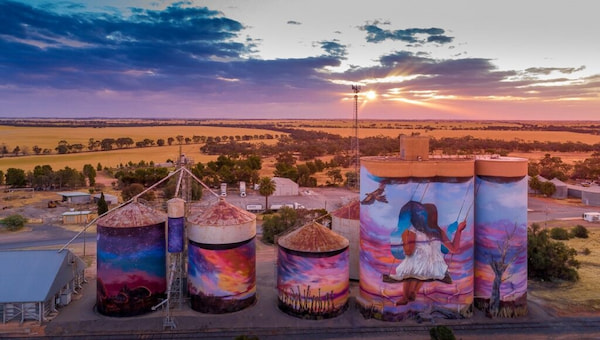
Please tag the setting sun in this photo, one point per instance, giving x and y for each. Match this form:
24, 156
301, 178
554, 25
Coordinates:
371, 95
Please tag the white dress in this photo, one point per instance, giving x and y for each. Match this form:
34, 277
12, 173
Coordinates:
426, 263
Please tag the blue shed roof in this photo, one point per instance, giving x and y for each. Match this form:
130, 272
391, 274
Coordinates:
35, 275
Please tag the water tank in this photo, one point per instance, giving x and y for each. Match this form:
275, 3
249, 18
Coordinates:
346, 222
416, 237
312, 272
176, 213
131, 260
222, 259
501, 236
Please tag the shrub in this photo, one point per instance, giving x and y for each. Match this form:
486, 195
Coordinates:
586, 251
549, 260
579, 231
441, 333
14, 222
559, 233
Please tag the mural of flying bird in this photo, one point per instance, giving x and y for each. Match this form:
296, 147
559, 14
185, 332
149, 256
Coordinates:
376, 195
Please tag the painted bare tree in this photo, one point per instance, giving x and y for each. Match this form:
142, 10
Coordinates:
499, 262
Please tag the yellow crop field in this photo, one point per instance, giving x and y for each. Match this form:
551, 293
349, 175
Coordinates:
48, 137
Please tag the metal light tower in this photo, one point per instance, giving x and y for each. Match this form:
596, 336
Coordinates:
356, 90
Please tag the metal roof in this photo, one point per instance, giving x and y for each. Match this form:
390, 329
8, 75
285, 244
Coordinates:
75, 213
73, 193
313, 238
35, 275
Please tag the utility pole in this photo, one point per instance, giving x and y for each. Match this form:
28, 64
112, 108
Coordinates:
356, 90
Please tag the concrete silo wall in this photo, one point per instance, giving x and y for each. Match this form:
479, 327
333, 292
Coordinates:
350, 229
416, 232
131, 269
313, 285
501, 236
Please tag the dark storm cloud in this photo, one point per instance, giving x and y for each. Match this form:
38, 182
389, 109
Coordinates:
334, 48
293, 22
188, 48
375, 34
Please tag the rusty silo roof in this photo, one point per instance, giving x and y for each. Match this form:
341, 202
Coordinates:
134, 214
314, 238
222, 214
350, 211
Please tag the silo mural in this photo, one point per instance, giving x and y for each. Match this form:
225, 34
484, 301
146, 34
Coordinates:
222, 259
346, 222
501, 236
131, 260
416, 237
176, 213
312, 272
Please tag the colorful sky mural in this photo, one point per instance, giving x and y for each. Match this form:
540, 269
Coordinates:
228, 273
329, 274
379, 220
278, 59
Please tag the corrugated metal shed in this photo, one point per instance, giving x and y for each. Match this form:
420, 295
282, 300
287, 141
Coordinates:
222, 214
35, 275
134, 214
314, 238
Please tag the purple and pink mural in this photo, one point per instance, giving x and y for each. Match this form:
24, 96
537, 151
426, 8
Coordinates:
222, 278
501, 238
416, 242
131, 269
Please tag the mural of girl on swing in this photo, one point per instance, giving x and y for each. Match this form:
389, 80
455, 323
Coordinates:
420, 243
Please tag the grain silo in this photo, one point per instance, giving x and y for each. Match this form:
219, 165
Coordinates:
346, 222
312, 272
222, 259
131, 260
501, 236
416, 236
175, 231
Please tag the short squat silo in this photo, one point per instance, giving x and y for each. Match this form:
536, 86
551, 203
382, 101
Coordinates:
346, 222
501, 236
222, 259
131, 260
312, 272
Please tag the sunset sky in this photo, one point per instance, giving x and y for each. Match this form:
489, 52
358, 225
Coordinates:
297, 59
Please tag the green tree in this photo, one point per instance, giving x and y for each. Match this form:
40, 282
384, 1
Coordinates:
335, 175
90, 173
102, 205
43, 176
267, 188
14, 222
547, 259
1, 177
135, 189
547, 188
278, 223
16, 177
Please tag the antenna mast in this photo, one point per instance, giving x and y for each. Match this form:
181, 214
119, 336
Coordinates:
356, 90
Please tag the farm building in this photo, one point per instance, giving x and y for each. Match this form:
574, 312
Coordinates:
75, 197
35, 282
285, 187
77, 217
110, 199
591, 196
561, 188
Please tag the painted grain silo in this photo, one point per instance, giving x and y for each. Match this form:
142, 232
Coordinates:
346, 222
416, 235
131, 260
175, 231
222, 259
501, 236
312, 272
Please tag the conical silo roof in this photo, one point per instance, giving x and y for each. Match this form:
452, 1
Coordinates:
350, 211
313, 238
222, 214
134, 214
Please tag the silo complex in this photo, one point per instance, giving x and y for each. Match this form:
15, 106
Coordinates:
222, 259
416, 236
312, 272
501, 236
346, 222
175, 230
131, 260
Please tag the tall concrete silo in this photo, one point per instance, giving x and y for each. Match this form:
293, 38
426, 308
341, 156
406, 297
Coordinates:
312, 272
346, 222
222, 259
501, 236
176, 225
416, 235
131, 260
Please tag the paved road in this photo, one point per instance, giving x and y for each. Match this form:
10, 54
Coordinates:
42, 236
